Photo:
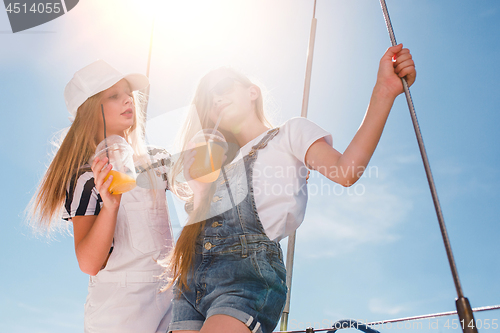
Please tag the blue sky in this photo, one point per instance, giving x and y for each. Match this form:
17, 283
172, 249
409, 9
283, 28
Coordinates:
372, 253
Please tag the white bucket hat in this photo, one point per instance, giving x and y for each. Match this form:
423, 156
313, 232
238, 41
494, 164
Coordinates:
94, 78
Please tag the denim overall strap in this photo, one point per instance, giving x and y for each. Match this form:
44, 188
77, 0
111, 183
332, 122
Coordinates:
249, 160
265, 140
253, 152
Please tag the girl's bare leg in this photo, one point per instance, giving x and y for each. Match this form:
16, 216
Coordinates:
223, 324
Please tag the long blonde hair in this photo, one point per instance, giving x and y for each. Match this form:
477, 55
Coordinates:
181, 259
75, 150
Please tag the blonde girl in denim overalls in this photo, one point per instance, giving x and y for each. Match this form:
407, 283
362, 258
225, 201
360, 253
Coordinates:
227, 264
118, 237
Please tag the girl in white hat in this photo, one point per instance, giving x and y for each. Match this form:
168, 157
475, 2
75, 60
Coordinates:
227, 263
118, 237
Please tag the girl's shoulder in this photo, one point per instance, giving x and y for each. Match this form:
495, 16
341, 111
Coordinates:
81, 180
299, 129
297, 134
82, 198
83, 174
298, 124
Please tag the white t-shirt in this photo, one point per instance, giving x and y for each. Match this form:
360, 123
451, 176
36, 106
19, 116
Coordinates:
279, 177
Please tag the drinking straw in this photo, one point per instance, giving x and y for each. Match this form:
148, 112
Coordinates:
217, 123
105, 140
208, 143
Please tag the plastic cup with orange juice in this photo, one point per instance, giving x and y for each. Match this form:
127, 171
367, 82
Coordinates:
120, 156
210, 147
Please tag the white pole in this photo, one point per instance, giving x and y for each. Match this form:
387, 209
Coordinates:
291, 239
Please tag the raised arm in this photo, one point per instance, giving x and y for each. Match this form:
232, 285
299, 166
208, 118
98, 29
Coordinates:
345, 169
94, 234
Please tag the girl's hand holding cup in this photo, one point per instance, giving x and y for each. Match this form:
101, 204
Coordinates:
101, 170
198, 188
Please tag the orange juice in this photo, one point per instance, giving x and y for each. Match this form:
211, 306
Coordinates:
208, 161
121, 182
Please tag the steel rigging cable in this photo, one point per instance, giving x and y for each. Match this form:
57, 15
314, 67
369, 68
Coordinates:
464, 309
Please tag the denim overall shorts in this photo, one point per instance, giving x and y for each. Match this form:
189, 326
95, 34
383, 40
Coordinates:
238, 271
